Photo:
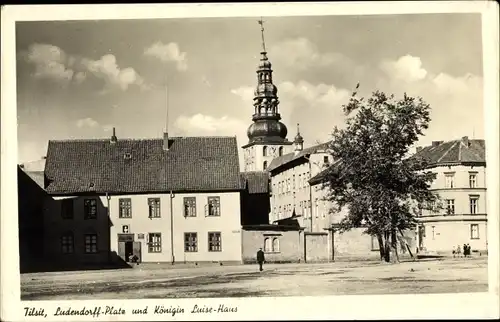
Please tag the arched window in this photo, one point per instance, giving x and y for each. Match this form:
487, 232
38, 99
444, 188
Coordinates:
264, 151
280, 151
264, 165
267, 245
276, 245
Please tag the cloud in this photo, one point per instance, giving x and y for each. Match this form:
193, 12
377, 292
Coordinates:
302, 54
456, 101
87, 122
201, 124
107, 69
50, 62
246, 93
168, 53
407, 68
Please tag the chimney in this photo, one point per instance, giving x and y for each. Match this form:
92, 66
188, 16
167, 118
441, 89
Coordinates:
166, 143
465, 141
436, 143
114, 139
419, 148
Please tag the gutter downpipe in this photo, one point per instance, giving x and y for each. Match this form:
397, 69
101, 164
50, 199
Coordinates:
172, 196
108, 198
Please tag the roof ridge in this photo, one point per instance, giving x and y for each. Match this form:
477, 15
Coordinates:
145, 139
449, 149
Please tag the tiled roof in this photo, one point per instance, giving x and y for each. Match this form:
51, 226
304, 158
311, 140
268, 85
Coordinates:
289, 157
255, 181
140, 166
453, 152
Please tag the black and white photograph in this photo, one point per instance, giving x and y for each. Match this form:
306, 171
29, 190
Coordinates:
250, 156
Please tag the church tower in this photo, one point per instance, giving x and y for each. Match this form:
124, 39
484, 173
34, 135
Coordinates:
266, 135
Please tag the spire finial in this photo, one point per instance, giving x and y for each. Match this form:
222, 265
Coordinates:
298, 130
261, 23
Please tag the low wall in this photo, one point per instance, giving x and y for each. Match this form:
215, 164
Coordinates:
289, 250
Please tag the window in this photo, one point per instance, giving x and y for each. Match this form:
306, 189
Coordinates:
264, 151
190, 242
91, 243
450, 206
433, 231
293, 182
276, 245
214, 206
264, 165
268, 245
326, 160
125, 229
67, 243
316, 206
325, 209
472, 180
67, 208
280, 151
154, 242
271, 245
189, 206
154, 207
90, 208
300, 181
474, 231
214, 242
473, 204
125, 207
449, 180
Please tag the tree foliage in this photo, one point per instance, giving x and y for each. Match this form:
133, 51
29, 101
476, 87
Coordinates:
381, 187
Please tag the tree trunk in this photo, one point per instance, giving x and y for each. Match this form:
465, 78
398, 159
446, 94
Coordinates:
394, 246
381, 246
387, 248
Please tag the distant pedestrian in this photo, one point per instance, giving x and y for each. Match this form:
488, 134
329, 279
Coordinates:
260, 258
468, 250
459, 252
465, 250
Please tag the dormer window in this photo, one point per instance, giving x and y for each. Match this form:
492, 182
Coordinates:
325, 160
127, 156
91, 185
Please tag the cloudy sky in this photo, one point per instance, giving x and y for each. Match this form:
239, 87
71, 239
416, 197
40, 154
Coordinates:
79, 79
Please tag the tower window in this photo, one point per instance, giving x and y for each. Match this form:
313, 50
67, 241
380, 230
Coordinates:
280, 151
264, 151
264, 165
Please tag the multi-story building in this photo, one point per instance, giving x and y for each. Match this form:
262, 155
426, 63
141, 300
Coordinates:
460, 168
291, 193
174, 199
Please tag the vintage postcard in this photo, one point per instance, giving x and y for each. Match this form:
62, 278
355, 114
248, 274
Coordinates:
250, 161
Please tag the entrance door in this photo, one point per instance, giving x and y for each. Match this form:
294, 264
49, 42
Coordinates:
125, 246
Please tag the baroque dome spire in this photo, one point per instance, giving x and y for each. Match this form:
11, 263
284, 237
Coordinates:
267, 126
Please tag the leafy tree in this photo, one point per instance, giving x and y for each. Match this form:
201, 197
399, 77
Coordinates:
382, 188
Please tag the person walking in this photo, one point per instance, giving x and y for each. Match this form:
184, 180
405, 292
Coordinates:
260, 258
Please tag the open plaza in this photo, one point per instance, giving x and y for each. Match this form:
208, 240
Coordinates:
449, 275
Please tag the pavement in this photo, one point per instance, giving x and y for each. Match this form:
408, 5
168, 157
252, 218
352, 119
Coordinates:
338, 278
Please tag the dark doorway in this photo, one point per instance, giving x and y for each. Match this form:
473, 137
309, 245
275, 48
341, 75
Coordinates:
129, 250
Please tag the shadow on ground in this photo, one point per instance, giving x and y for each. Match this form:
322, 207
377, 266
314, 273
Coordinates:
180, 287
